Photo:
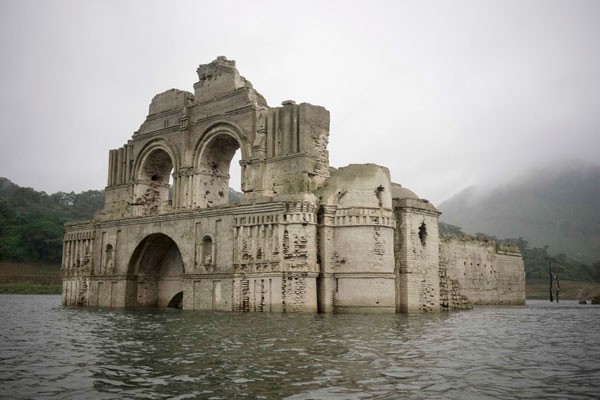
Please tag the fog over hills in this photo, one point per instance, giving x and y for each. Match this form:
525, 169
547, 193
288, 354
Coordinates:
558, 207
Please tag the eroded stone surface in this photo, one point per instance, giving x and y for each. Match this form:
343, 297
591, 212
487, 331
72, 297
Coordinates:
304, 238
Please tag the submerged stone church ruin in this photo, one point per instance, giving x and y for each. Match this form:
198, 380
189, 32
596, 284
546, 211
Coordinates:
303, 237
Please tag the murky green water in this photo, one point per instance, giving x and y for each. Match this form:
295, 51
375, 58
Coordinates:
543, 350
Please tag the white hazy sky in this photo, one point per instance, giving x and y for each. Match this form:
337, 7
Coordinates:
446, 94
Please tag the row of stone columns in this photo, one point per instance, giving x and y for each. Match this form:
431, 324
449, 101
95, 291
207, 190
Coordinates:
74, 250
264, 237
119, 165
285, 131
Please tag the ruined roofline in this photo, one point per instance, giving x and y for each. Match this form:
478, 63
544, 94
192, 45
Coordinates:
72, 225
217, 80
499, 244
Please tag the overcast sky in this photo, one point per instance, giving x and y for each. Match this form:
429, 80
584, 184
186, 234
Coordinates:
446, 94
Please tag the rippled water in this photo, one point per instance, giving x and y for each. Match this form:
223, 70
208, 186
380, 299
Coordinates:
543, 350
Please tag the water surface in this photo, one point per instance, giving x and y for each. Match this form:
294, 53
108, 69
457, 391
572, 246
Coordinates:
544, 350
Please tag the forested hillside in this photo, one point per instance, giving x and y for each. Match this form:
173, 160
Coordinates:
558, 208
31, 222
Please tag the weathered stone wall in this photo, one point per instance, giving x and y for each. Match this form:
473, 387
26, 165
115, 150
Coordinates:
417, 254
77, 262
451, 296
247, 257
357, 239
487, 272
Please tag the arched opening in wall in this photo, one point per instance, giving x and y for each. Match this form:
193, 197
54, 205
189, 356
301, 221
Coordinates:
176, 301
157, 266
155, 188
235, 178
423, 233
108, 257
216, 164
207, 252
171, 187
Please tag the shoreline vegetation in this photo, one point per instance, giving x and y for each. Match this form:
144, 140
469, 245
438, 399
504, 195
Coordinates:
29, 288
569, 290
21, 278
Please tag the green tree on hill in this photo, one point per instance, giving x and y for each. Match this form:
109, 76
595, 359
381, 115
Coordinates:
537, 261
31, 222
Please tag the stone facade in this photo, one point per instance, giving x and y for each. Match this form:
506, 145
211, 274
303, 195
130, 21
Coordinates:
487, 272
304, 238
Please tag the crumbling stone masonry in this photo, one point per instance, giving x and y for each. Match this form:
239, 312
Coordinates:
486, 271
305, 237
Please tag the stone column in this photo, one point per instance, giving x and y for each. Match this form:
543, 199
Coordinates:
326, 253
119, 172
114, 167
110, 164
128, 163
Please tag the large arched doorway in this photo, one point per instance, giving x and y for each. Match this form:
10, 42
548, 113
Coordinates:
158, 267
235, 178
154, 181
214, 164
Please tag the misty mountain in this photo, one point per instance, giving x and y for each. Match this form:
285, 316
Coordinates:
559, 208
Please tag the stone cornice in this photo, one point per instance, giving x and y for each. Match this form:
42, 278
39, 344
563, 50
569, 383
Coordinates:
378, 275
186, 214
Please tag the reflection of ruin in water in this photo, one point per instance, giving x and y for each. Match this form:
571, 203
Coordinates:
304, 237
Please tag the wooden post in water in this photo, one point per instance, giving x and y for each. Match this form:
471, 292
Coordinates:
557, 286
551, 279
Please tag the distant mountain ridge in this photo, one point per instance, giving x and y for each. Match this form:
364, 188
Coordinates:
557, 207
